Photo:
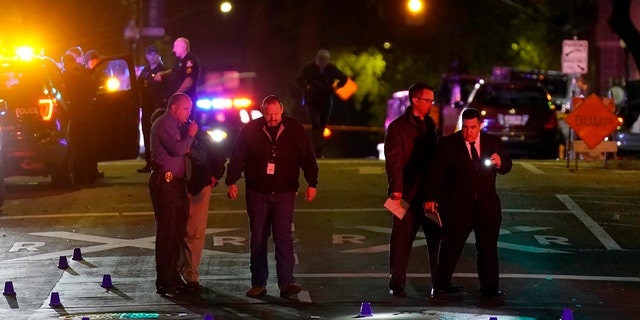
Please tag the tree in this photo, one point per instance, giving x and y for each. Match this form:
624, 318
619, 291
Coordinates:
622, 25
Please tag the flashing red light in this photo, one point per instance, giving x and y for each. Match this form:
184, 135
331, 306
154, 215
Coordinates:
242, 103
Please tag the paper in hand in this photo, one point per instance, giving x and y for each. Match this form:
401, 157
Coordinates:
397, 207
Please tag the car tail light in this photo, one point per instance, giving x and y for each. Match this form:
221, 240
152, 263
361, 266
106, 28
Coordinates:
46, 108
552, 122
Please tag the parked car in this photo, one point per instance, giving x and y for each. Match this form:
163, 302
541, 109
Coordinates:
34, 118
628, 135
521, 113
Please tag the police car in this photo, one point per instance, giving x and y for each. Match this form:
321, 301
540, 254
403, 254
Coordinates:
225, 104
34, 117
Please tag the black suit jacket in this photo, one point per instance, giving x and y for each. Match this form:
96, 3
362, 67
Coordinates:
455, 184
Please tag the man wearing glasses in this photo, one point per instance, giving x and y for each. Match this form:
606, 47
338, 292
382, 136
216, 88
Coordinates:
409, 148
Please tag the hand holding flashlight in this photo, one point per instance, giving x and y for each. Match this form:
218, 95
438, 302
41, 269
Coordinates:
494, 160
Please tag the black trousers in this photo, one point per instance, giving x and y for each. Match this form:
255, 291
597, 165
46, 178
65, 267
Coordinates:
171, 209
486, 228
403, 233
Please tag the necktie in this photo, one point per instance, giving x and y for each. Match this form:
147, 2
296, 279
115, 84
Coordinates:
474, 152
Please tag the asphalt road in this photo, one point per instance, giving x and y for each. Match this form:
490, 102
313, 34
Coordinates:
568, 244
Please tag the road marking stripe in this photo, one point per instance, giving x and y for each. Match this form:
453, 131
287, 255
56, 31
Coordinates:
410, 275
150, 213
531, 168
593, 226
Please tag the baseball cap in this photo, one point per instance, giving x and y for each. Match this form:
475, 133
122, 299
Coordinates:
152, 49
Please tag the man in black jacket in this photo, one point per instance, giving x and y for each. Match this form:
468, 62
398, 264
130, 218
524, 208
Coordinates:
207, 167
409, 147
463, 185
270, 151
319, 78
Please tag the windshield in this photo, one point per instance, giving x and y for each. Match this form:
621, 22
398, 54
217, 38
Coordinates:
22, 84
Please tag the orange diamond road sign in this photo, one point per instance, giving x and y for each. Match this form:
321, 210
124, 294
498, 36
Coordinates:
592, 120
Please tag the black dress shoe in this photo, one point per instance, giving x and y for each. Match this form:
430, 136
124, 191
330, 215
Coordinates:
398, 292
163, 291
437, 293
491, 294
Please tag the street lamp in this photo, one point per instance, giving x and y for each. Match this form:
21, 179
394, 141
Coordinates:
416, 12
415, 6
225, 7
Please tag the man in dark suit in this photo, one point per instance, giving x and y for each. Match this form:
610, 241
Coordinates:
462, 187
409, 147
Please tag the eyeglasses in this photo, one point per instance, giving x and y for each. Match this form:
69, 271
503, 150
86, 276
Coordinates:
426, 100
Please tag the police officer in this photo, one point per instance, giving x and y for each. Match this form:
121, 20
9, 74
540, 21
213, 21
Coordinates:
168, 189
186, 72
153, 95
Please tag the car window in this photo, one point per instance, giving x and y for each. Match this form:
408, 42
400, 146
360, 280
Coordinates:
112, 76
19, 83
508, 97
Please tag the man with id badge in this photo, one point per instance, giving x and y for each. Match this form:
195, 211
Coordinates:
271, 151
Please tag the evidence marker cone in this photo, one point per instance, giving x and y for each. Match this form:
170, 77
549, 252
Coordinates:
8, 289
106, 281
63, 263
55, 300
365, 310
77, 255
567, 314
208, 317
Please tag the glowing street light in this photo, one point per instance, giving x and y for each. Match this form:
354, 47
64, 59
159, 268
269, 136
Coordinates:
225, 7
416, 12
415, 6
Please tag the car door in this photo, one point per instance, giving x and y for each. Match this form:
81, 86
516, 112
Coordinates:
115, 113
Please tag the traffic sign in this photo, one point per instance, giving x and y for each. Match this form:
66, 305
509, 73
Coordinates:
575, 56
592, 119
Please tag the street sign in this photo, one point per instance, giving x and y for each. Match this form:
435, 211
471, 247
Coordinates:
575, 56
592, 120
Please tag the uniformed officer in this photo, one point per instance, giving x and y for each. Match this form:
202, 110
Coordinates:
153, 95
168, 190
186, 72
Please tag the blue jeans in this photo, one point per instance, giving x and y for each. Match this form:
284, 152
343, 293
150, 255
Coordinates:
271, 213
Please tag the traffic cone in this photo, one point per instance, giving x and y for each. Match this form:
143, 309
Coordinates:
77, 255
106, 281
208, 317
8, 289
55, 300
365, 310
62, 263
567, 314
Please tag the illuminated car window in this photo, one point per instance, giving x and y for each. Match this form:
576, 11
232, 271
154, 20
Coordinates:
113, 76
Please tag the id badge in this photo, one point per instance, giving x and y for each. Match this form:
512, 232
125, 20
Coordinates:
271, 168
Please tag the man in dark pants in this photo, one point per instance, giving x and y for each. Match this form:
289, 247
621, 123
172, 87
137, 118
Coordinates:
168, 189
318, 79
153, 96
271, 150
409, 147
462, 185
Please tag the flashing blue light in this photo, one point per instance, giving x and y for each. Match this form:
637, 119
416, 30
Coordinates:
204, 104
